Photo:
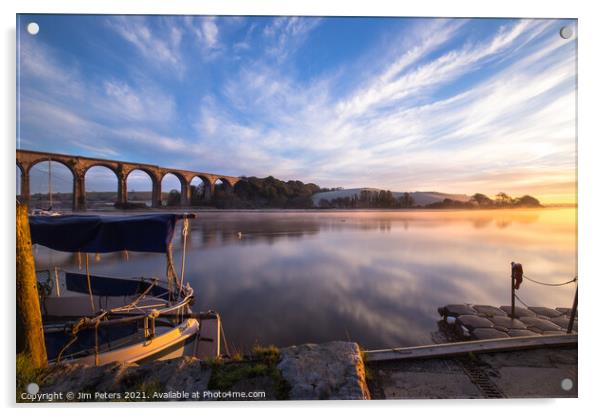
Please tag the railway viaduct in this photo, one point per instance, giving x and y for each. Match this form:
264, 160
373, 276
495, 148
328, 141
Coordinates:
79, 165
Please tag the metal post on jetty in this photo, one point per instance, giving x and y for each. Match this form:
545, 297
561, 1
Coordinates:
512, 316
573, 313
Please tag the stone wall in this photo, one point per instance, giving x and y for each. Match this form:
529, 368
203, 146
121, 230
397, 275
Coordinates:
332, 371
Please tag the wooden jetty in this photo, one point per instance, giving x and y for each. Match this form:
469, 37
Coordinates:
466, 347
480, 322
485, 328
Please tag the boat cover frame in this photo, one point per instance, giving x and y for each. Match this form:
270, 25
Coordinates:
150, 233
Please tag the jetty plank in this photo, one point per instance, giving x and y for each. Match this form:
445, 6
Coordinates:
459, 348
521, 333
488, 333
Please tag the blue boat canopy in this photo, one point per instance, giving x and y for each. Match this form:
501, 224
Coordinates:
103, 234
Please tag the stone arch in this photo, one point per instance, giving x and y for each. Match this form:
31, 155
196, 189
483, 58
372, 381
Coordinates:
133, 195
64, 189
183, 184
222, 184
105, 194
198, 195
60, 161
109, 166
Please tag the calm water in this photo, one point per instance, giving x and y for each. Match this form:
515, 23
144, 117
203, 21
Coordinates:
373, 277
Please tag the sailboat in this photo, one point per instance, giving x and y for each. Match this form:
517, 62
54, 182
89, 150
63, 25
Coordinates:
101, 319
49, 211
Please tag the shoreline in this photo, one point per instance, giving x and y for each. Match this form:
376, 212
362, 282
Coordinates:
338, 370
309, 210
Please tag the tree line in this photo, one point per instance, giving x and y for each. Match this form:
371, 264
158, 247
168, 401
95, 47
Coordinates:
253, 193
256, 193
386, 199
369, 199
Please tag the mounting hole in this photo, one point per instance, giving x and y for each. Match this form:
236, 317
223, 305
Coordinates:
566, 32
33, 388
33, 28
566, 384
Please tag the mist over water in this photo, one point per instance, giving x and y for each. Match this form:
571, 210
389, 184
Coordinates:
375, 277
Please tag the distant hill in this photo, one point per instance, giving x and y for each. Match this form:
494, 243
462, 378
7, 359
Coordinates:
420, 198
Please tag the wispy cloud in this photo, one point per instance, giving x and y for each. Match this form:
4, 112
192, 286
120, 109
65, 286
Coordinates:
503, 122
447, 106
285, 34
162, 48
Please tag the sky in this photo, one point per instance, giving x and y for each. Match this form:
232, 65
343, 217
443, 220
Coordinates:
406, 104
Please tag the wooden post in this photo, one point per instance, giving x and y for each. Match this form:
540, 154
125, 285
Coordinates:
573, 313
30, 332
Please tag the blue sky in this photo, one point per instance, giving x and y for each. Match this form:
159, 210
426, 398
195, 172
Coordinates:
410, 104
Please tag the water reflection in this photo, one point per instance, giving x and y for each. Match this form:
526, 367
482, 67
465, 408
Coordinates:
373, 277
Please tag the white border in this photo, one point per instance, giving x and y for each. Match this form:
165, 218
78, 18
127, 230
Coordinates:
589, 190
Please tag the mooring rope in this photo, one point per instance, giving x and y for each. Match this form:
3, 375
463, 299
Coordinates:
521, 301
551, 284
56, 281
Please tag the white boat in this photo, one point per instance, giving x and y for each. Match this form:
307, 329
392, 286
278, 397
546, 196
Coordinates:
45, 212
98, 319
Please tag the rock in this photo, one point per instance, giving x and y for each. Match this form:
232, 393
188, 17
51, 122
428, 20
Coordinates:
180, 374
334, 371
80, 377
186, 374
518, 311
472, 321
489, 310
456, 310
488, 333
547, 312
539, 325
